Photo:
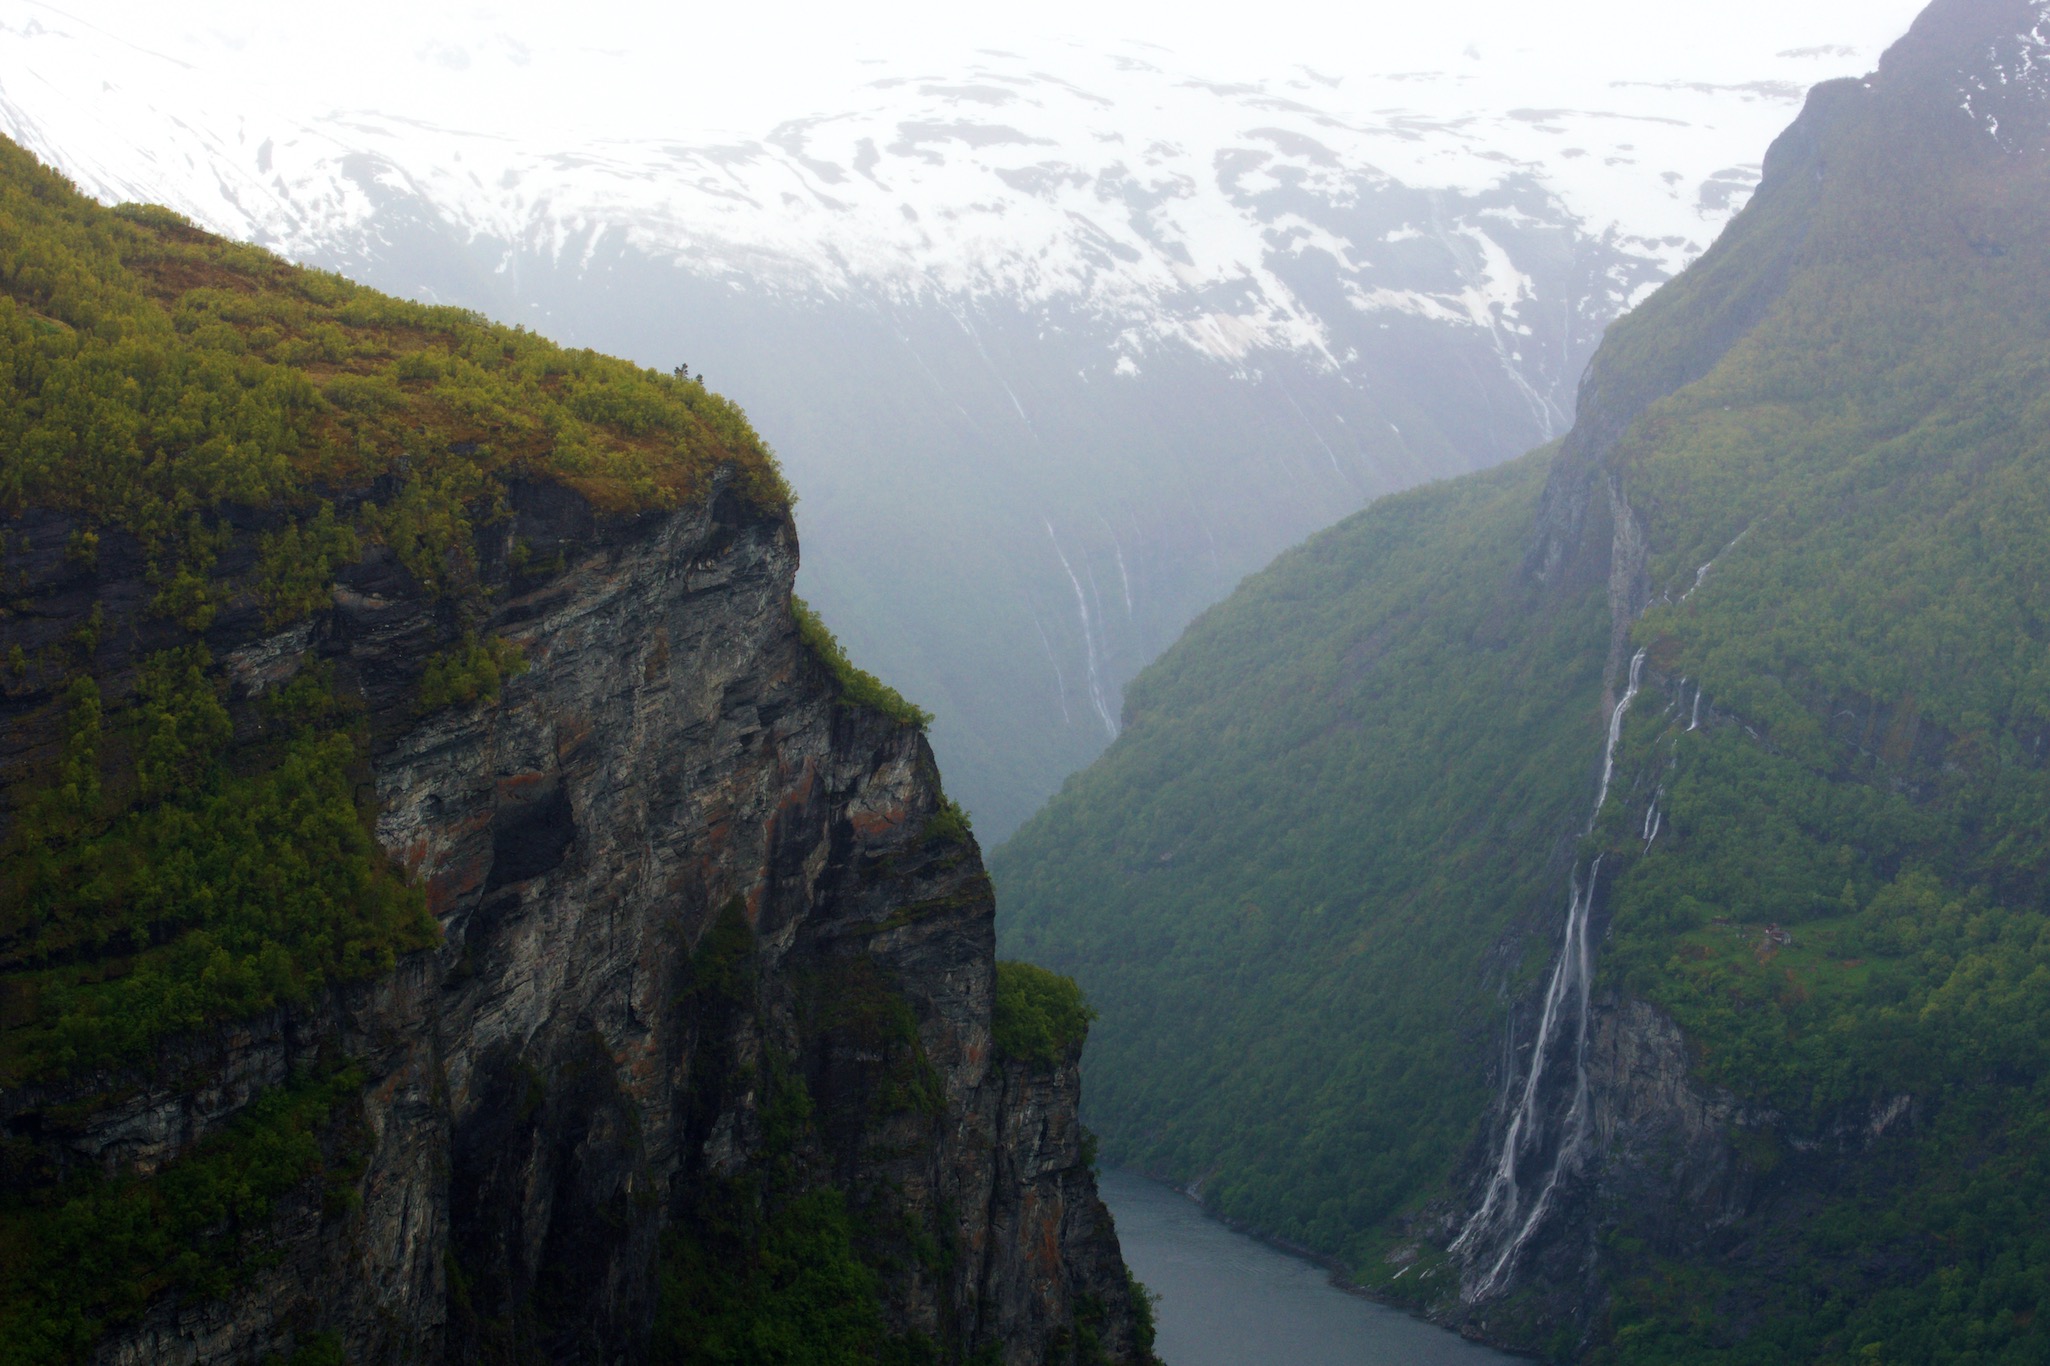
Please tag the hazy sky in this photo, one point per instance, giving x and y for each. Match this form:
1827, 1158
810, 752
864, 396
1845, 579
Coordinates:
636, 69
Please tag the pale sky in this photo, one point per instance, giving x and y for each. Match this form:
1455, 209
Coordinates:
615, 68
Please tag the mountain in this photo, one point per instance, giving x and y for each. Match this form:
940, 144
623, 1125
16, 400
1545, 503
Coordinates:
454, 905
1057, 345
1602, 901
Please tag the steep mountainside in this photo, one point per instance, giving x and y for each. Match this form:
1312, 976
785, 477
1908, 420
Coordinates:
453, 908
1604, 901
1057, 345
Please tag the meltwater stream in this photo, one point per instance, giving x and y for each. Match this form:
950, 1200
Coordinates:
1230, 1300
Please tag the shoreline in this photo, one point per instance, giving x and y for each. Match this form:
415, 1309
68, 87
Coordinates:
1334, 1269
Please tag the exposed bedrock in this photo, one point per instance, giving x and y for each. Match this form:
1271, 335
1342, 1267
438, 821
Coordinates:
575, 1071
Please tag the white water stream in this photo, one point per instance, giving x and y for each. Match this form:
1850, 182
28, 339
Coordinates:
1507, 1217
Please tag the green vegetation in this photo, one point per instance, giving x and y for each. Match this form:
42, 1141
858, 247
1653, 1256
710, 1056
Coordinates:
83, 1253
471, 672
1040, 1016
769, 1279
772, 1267
858, 687
772, 1278
159, 373
316, 1349
235, 432
159, 874
949, 824
1282, 885
230, 880
1300, 879
1145, 1304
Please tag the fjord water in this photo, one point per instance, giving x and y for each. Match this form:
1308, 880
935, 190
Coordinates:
1230, 1300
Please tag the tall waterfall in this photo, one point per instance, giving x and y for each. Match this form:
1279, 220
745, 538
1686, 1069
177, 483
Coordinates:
1510, 1211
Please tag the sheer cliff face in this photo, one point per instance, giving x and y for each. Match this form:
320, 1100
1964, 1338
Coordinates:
678, 884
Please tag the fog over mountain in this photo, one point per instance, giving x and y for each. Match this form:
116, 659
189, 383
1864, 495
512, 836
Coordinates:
1057, 339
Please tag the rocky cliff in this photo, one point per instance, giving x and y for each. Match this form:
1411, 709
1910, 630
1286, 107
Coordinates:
556, 1084
694, 1061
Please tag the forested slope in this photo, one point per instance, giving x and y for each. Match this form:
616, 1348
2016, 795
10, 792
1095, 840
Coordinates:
1284, 885
1317, 888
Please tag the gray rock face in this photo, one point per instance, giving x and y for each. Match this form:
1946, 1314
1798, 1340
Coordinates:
552, 1088
1684, 1171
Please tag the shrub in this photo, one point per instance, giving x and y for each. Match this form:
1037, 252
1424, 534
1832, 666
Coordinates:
857, 687
1040, 1016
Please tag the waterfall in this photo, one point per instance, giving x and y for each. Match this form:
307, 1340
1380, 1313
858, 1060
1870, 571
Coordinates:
1615, 734
1502, 1225
1701, 574
1118, 550
1060, 681
1096, 695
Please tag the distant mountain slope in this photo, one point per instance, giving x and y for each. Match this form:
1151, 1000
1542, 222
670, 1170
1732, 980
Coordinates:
1752, 1066
1056, 346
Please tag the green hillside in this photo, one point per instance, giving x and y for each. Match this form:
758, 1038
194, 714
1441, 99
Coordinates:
1283, 885
1331, 851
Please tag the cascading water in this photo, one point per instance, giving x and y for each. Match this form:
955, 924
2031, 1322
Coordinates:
1505, 1221
1096, 693
1701, 574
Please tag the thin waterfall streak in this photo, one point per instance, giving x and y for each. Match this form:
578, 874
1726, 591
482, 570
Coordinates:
1577, 1113
1060, 681
1102, 617
1572, 976
994, 370
1701, 574
1096, 698
1503, 1183
1695, 724
1329, 454
1616, 733
1124, 578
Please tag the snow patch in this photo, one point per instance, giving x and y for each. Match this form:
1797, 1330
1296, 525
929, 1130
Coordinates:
991, 180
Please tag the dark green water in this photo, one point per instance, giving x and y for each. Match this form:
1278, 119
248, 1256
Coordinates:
1230, 1300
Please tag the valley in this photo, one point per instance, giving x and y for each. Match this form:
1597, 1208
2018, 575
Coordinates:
1058, 343
1746, 1067
1491, 623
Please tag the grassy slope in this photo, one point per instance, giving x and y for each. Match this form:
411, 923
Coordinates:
1296, 1001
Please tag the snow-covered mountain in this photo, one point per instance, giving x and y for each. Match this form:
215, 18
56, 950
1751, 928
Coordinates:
1056, 342
1138, 191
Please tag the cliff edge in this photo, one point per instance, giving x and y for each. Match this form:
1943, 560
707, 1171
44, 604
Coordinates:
455, 910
